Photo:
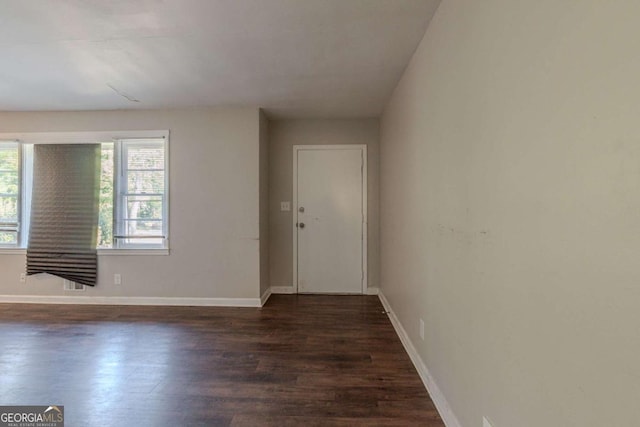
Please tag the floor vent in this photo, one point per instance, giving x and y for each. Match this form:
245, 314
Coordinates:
72, 286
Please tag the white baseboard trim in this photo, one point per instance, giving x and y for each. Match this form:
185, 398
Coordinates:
283, 290
265, 297
449, 418
169, 301
291, 290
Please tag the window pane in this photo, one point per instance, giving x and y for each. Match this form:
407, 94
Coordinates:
150, 156
145, 182
9, 165
9, 192
144, 227
146, 241
146, 207
8, 238
8, 209
9, 182
105, 219
9, 157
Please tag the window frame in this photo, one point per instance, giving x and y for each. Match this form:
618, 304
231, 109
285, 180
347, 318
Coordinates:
26, 141
121, 190
19, 207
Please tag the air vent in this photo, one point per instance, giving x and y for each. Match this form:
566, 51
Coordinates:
72, 286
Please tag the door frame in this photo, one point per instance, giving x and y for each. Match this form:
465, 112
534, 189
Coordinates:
365, 221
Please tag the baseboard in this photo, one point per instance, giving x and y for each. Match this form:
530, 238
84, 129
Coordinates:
291, 290
265, 297
438, 398
283, 290
169, 301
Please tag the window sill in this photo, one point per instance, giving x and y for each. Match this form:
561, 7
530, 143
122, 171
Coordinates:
119, 252
101, 252
13, 251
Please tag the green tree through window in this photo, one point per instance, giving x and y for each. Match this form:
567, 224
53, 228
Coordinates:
9, 192
105, 219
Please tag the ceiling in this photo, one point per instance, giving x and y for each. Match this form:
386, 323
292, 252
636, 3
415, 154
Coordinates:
295, 58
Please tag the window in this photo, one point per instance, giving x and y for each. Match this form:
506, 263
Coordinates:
133, 207
10, 194
133, 198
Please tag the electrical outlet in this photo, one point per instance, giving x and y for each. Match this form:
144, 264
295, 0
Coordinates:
117, 279
285, 206
485, 422
422, 329
23, 277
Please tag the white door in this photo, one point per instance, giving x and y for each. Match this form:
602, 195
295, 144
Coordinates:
330, 219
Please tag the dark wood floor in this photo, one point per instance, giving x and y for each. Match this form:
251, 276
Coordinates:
300, 360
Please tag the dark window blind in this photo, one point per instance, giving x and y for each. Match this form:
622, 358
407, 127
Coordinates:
64, 212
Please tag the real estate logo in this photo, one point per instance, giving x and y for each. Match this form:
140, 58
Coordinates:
32, 416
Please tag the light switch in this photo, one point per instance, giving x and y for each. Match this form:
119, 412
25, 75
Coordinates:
285, 206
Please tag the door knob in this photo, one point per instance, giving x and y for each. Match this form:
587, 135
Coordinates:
301, 225
301, 209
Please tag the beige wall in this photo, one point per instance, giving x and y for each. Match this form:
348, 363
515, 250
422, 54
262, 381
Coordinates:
510, 210
264, 203
283, 135
214, 206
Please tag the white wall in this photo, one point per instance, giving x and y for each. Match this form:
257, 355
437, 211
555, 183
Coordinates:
214, 206
283, 135
510, 210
